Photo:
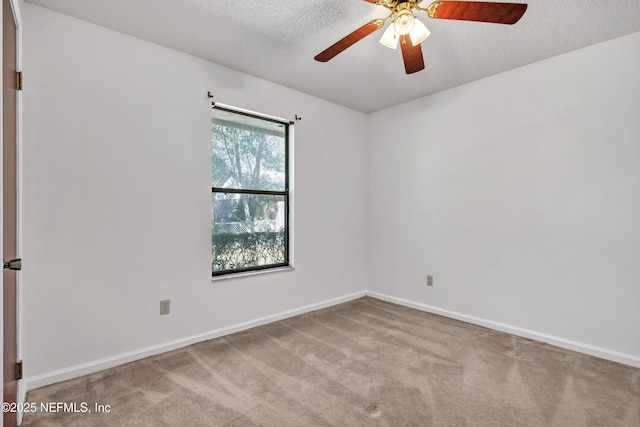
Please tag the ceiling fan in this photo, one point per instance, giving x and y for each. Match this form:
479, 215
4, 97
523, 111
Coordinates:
409, 32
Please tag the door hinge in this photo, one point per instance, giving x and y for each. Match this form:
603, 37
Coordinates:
19, 370
18, 80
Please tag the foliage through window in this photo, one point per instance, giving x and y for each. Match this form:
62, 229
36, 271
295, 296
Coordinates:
249, 192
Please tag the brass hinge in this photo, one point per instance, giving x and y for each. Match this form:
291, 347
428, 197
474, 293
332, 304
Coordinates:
18, 80
19, 370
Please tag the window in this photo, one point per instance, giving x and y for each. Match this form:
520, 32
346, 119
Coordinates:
249, 192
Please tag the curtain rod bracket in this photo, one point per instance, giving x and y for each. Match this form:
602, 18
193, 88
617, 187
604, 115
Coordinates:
209, 95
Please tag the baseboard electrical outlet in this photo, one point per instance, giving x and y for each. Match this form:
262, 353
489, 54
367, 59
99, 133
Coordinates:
165, 306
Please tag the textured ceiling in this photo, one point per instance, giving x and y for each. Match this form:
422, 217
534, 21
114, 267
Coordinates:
277, 40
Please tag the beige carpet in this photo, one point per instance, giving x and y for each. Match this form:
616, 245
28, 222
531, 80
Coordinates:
362, 363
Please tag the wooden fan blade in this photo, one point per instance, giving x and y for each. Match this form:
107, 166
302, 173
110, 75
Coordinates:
349, 40
480, 11
412, 55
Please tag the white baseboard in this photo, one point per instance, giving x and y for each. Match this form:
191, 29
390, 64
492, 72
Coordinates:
591, 350
48, 378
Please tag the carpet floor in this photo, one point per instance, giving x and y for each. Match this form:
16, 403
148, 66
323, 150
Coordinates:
361, 363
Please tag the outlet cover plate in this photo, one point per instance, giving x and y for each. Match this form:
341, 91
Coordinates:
429, 280
165, 306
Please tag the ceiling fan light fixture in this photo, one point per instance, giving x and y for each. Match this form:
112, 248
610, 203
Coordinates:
390, 38
419, 33
404, 22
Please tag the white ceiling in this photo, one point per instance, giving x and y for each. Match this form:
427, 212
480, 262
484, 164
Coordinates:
277, 40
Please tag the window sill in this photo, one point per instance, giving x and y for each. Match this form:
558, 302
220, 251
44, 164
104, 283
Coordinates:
252, 273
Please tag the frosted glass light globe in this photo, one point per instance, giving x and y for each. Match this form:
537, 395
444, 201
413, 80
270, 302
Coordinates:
404, 22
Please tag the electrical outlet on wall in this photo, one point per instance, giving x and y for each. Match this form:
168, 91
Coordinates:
165, 306
429, 280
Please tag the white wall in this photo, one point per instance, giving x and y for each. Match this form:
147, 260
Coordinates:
520, 194
117, 196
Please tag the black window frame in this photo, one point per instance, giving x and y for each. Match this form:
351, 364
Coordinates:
282, 193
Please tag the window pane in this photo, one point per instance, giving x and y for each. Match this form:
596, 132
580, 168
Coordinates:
248, 231
248, 152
